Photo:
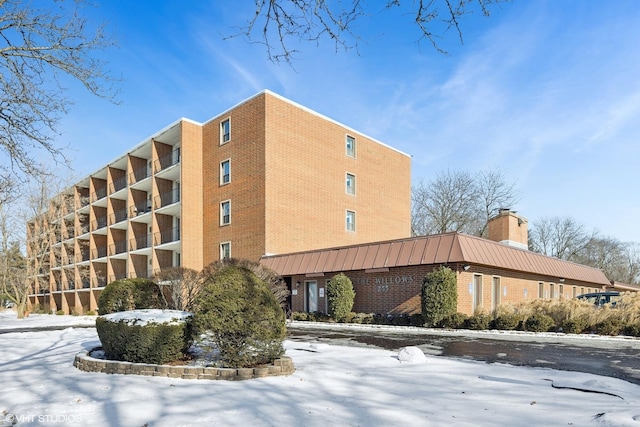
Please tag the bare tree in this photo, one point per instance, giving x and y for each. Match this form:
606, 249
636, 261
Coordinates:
40, 51
13, 270
183, 285
559, 237
459, 201
278, 24
619, 261
494, 193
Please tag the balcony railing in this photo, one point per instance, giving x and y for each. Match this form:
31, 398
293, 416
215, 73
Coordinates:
168, 236
99, 282
99, 223
141, 208
99, 194
140, 174
170, 159
99, 252
82, 229
118, 216
118, 248
140, 242
118, 184
167, 198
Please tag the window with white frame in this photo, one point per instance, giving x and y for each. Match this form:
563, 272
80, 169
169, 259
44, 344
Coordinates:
351, 184
225, 250
225, 212
351, 221
225, 172
351, 146
225, 131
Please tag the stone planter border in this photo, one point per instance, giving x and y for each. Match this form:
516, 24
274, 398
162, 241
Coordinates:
84, 362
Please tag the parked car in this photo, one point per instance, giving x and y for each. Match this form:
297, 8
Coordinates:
601, 298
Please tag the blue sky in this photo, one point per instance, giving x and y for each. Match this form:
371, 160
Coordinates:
547, 92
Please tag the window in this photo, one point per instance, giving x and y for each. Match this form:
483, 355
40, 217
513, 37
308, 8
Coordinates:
561, 291
225, 131
225, 250
225, 212
551, 291
540, 290
351, 146
351, 221
495, 292
351, 184
477, 293
225, 172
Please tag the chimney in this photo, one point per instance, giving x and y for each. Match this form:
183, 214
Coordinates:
509, 229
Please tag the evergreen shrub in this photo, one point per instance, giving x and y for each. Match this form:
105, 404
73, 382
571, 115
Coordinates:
507, 322
242, 317
539, 322
439, 296
155, 343
453, 321
340, 296
478, 322
130, 294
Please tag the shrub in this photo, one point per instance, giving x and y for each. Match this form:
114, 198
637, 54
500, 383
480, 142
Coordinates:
439, 296
60, 312
340, 296
242, 316
507, 322
610, 326
453, 321
126, 338
575, 325
632, 330
478, 322
539, 322
416, 319
130, 294
300, 315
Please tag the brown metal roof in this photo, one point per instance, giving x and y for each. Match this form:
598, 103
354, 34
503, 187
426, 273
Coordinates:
425, 250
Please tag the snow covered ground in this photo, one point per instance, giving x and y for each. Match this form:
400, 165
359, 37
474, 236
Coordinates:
332, 386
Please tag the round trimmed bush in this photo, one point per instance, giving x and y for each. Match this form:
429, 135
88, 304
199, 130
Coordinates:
130, 294
453, 321
340, 296
479, 322
575, 325
242, 317
145, 336
539, 322
507, 322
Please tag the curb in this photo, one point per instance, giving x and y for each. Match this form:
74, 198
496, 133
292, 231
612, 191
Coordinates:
84, 362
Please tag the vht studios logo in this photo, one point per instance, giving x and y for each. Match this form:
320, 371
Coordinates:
13, 419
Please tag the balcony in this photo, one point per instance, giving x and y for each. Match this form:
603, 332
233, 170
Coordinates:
99, 282
140, 242
141, 208
118, 216
168, 236
99, 223
140, 174
100, 193
118, 184
117, 248
168, 160
99, 252
167, 198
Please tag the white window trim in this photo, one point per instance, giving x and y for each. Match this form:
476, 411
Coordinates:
222, 171
346, 224
347, 185
222, 244
222, 203
346, 146
222, 122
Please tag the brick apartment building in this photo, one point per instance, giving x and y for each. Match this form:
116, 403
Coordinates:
387, 276
267, 176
